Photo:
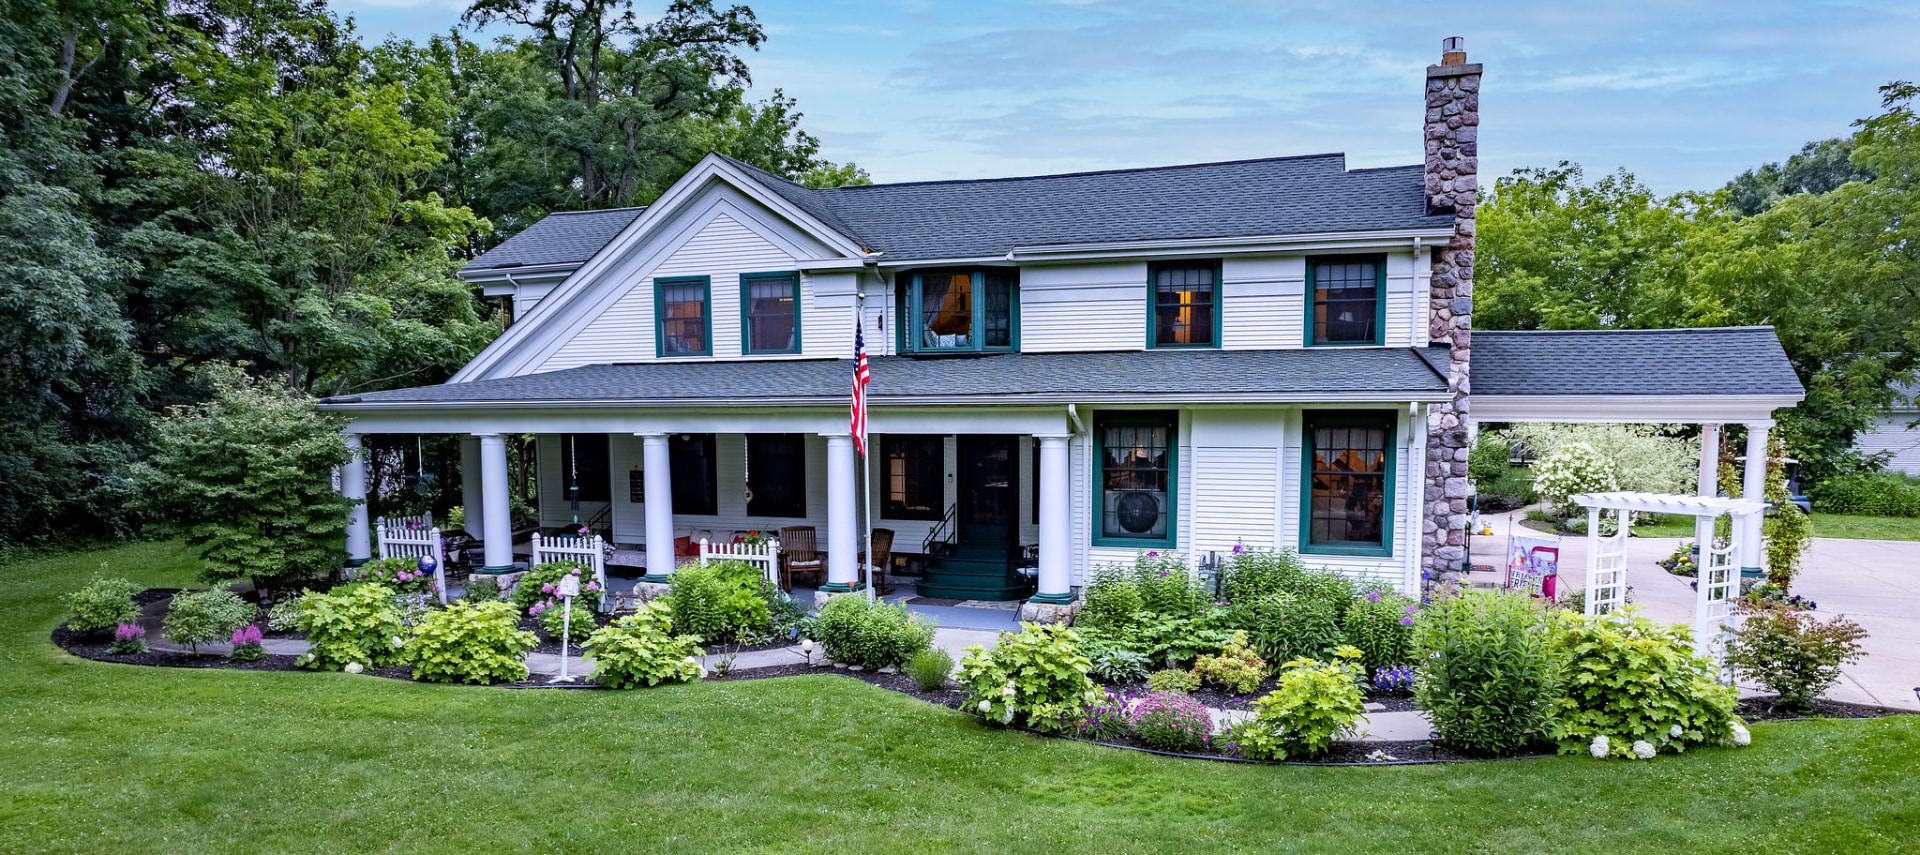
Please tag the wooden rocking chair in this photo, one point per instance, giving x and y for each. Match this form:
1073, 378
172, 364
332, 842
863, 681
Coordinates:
800, 557
879, 571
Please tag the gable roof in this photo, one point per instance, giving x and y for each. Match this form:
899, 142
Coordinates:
1270, 197
1702, 361
1384, 374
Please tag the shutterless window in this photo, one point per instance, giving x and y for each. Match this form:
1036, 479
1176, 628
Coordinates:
691, 462
914, 482
772, 306
1348, 458
685, 320
583, 467
1186, 304
962, 310
776, 475
1136, 478
1346, 300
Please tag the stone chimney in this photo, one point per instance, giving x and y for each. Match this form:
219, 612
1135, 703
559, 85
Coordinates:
1452, 141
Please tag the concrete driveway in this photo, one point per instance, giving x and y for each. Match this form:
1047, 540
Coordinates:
1874, 582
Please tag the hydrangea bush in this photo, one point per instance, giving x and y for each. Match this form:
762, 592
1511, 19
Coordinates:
1037, 677
470, 643
641, 649
1569, 470
1638, 684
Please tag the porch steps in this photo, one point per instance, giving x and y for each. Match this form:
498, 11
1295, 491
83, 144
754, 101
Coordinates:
973, 572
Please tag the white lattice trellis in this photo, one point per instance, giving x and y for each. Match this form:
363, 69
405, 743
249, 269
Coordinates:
590, 551
1606, 564
414, 537
766, 554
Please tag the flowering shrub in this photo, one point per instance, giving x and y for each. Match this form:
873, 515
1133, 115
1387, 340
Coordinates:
1397, 680
1569, 470
246, 644
1637, 683
1681, 563
1311, 705
468, 643
641, 649
128, 639
1171, 721
402, 575
102, 604
1488, 673
1380, 623
356, 624
1108, 719
1635, 457
1236, 668
541, 581
1036, 676
1173, 680
871, 636
201, 617
1120, 665
1792, 653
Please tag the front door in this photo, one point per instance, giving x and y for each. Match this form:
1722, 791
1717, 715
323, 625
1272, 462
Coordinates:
989, 489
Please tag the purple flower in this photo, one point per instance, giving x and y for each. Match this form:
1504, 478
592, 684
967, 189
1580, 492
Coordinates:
1153, 553
246, 636
1237, 549
547, 588
1406, 620
129, 632
1373, 596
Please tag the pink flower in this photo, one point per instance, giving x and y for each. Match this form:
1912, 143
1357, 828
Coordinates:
547, 588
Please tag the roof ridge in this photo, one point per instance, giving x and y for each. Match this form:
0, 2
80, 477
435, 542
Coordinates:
596, 211
1745, 328
1162, 168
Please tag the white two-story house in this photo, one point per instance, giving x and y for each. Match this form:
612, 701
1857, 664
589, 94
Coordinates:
1267, 353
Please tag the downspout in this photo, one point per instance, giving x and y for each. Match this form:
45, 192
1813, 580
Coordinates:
1073, 415
1416, 508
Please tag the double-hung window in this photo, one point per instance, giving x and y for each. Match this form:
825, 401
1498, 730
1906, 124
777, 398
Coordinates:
776, 475
769, 313
956, 311
1184, 299
683, 316
1136, 459
914, 473
1348, 496
1347, 300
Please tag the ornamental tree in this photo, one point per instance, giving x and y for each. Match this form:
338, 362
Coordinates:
247, 477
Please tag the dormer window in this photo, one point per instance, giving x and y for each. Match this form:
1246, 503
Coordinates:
960, 311
1347, 299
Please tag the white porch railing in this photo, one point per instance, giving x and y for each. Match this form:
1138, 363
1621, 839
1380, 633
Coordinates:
766, 554
415, 537
590, 551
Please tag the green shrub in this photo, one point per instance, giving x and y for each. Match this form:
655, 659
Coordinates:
401, 574
1037, 676
1287, 626
1171, 721
1119, 665
1380, 624
1312, 704
481, 589
1791, 652
101, 605
1488, 460
1569, 470
1251, 575
871, 636
554, 620
1173, 680
467, 643
356, 623
1167, 588
1177, 641
1488, 673
532, 587
641, 649
199, 617
1878, 494
1631, 680
1236, 668
930, 668
1111, 602
746, 600
1512, 489
285, 614
697, 600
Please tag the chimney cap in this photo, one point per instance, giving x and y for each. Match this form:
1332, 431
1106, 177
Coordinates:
1453, 43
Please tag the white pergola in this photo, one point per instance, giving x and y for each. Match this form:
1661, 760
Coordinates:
1718, 566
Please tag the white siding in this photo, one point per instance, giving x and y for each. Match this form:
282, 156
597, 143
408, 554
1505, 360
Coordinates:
1262, 300
1237, 479
1891, 434
1081, 307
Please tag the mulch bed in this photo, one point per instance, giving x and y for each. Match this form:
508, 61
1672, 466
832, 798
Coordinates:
1214, 697
1762, 709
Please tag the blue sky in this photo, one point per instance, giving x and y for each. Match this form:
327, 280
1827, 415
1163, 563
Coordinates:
1685, 94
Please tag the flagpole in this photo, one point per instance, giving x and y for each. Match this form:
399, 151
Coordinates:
866, 456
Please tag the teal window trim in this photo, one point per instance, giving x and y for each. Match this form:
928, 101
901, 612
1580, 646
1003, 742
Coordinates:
747, 281
1153, 307
1170, 419
1384, 419
908, 334
660, 286
1379, 299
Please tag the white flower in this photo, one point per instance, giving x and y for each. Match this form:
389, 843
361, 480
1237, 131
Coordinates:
1674, 732
1600, 747
1007, 717
1643, 749
1741, 736
354, 668
398, 642
986, 707
1007, 690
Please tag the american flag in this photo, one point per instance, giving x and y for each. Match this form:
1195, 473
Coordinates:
862, 375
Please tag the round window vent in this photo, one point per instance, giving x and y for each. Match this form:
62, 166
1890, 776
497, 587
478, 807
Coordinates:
1137, 511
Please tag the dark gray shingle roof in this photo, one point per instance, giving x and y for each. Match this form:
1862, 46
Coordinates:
954, 219
1710, 361
1062, 377
566, 237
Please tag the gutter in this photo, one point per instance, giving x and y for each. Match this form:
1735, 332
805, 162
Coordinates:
357, 404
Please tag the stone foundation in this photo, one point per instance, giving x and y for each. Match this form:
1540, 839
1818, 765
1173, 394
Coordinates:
820, 598
1032, 612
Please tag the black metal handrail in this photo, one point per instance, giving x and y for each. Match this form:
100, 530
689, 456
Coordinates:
942, 532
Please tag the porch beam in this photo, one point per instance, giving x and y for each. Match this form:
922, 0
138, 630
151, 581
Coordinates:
843, 521
498, 545
1056, 580
657, 482
353, 485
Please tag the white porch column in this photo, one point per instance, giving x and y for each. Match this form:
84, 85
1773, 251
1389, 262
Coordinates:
472, 495
1056, 578
353, 485
1709, 485
1754, 486
843, 515
657, 477
498, 546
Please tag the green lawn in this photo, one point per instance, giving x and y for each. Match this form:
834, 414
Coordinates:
101, 757
1865, 528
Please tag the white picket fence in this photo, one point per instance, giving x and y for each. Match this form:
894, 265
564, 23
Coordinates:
414, 537
766, 554
590, 551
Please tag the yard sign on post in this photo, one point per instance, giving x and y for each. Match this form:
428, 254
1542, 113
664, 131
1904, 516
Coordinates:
569, 589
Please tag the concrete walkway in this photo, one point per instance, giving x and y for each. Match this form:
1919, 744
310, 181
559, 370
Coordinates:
1874, 582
